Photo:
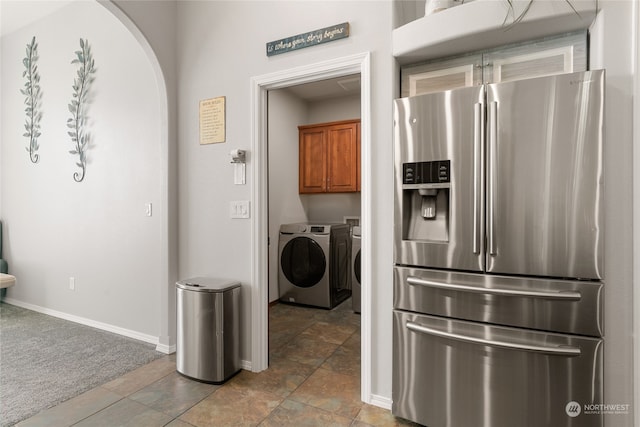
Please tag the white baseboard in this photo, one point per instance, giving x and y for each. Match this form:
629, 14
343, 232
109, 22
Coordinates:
380, 401
166, 349
94, 324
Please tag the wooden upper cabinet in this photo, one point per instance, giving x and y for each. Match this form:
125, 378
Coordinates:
330, 157
313, 161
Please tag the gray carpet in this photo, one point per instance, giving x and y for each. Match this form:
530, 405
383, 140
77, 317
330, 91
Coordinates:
45, 360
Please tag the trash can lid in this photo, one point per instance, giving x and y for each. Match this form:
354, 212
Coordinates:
207, 284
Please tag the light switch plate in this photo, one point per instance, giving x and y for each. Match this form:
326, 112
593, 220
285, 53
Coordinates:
239, 209
239, 173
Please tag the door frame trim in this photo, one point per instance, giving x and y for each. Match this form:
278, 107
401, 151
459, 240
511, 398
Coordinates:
260, 85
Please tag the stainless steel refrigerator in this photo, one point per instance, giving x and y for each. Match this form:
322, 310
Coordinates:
498, 246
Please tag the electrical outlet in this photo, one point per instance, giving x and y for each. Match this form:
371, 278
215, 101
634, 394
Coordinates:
72, 283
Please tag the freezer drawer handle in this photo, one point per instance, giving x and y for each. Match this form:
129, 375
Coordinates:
550, 350
560, 295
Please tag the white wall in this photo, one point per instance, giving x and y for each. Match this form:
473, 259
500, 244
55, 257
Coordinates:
153, 24
96, 230
221, 46
612, 48
286, 111
334, 109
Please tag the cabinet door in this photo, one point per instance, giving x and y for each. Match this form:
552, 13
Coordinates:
313, 161
342, 149
546, 57
442, 75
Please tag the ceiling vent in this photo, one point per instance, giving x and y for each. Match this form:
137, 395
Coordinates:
350, 84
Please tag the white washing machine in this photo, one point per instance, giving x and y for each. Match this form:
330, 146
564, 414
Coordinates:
314, 264
356, 287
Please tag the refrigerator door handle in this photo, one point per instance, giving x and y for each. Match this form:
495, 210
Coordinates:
566, 351
558, 295
478, 132
493, 141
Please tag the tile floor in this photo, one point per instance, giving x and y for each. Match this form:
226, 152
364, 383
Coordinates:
313, 380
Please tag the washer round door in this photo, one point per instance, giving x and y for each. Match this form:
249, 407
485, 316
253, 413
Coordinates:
303, 262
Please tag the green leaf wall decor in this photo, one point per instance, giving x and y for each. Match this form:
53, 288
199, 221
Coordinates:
33, 99
79, 105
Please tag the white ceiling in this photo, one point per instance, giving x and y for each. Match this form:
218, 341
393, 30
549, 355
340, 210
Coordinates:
326, 89
15, 14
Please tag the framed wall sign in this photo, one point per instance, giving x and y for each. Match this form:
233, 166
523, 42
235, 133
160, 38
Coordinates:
212, 120
312, 38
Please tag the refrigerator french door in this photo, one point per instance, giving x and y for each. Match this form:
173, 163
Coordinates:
499, 253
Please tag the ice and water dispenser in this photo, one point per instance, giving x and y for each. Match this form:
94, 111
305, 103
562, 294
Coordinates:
426, 189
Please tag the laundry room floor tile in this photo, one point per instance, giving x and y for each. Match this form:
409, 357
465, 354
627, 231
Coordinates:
308, 350
232, 406
143, 376
173, 394
332, 392
73, 410
329, 332
294, 414
282, 377
126, 412
346, 358
281, 334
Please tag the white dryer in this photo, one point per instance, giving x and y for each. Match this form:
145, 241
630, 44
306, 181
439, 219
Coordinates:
356, 287
314, 264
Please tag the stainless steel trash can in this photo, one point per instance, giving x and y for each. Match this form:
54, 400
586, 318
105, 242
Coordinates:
208, 329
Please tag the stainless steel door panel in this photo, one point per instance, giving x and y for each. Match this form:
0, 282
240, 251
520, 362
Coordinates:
549, 305
449, 373
545, 179
439, 127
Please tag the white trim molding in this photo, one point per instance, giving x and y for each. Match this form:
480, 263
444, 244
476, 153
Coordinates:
260, 85
381, 401
94, 324
636, 214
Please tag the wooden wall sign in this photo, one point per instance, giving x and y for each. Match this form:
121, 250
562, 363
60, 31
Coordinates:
212, 120
312, 38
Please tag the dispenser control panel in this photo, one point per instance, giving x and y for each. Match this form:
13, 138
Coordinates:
426, 172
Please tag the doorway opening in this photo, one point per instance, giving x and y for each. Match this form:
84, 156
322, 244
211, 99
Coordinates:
338, 68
